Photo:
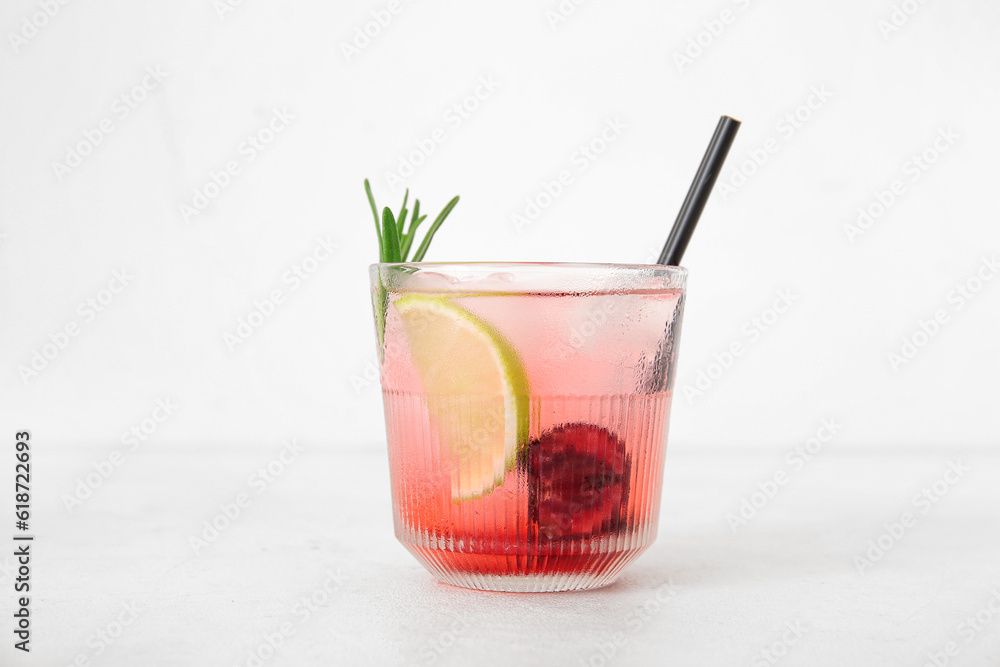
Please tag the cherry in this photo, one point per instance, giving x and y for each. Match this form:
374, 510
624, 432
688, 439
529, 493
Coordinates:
578, 477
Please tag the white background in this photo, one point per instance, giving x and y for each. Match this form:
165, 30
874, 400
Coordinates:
305, 372
180, 524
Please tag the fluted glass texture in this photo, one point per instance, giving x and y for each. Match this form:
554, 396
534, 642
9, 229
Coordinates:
551, 479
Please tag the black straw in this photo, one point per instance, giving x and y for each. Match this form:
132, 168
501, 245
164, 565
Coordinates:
701, 188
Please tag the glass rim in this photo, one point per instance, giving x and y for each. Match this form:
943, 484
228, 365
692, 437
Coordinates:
530, 277
678, 271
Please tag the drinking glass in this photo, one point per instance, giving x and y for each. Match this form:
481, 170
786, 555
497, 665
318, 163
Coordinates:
526, 410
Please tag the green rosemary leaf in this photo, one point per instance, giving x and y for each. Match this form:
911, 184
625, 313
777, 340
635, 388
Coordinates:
404, 246
380, 300
422, 250
399, 228
416, 215
400, 219
408, 237
390, 237
371, 200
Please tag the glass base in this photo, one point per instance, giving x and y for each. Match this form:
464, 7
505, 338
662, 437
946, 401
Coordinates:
524, 574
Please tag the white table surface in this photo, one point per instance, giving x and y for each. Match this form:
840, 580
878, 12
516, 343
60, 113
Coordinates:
726, 595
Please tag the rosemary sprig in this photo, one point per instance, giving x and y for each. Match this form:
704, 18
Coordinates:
394, 244
422, 250
394, 240
416, 220
371, 200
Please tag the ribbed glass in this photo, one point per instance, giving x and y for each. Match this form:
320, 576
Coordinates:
580, 497
513, 538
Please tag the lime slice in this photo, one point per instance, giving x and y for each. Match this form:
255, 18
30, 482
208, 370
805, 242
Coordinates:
476, 388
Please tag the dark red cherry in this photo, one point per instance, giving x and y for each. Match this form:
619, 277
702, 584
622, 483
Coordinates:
578, 476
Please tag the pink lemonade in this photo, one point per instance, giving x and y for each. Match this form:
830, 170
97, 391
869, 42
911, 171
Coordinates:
576, 496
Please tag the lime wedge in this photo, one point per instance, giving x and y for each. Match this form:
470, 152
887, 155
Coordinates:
476, 390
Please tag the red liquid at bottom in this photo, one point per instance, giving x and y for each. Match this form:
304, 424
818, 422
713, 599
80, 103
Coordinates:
581, 503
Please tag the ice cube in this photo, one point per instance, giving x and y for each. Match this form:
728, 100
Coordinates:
430, 281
